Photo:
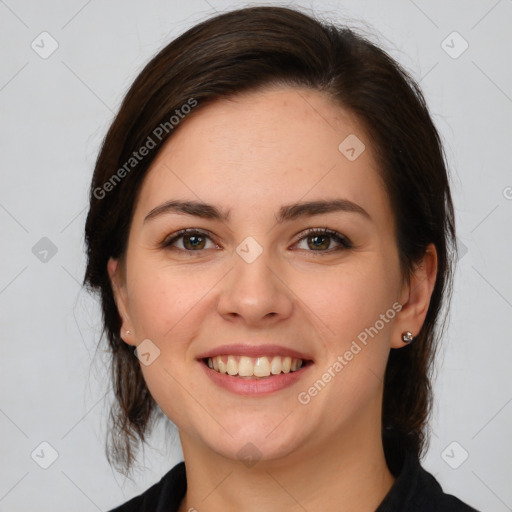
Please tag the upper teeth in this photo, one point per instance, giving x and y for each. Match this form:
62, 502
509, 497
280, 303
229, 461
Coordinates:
244, 366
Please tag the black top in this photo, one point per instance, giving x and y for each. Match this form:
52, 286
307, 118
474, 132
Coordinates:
414, 490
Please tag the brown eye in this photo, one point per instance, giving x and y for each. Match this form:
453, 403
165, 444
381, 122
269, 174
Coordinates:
320, 240
191, 240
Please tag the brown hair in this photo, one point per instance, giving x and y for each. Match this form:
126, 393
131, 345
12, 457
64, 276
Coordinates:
239, 51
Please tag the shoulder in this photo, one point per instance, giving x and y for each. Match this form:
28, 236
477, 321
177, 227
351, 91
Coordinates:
430, 496
165, 495
416, 489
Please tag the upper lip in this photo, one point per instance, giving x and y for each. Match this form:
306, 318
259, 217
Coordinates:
253, 351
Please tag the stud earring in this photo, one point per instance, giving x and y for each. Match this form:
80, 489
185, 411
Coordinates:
128, 332
407, 337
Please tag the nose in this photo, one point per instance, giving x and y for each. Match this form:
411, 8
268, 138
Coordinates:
255, 293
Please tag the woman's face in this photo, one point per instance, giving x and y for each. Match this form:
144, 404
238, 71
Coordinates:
255, 278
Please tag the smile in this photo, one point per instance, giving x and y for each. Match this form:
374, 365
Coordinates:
254, 367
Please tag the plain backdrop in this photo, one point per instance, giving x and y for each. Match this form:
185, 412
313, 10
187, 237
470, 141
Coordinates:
65, 66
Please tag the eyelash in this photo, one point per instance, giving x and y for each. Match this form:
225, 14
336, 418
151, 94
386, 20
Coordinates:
341, 239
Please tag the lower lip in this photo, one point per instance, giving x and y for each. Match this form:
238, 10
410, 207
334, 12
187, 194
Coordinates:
255, 387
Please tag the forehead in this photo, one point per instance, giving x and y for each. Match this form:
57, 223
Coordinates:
269, 124
273, 145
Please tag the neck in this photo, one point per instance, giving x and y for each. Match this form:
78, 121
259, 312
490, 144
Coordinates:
346, 472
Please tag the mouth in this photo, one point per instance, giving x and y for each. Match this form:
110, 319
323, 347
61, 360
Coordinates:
254, 370
263, 367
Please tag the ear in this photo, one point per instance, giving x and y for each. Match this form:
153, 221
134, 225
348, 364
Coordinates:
415, 297
117, 274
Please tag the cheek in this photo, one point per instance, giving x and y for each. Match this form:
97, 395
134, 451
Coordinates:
163, 300
166, 304
353, 306
350, 298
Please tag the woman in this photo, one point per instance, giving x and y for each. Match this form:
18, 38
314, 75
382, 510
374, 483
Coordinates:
272, 233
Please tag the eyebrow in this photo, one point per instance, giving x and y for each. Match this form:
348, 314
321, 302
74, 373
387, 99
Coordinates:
286, 212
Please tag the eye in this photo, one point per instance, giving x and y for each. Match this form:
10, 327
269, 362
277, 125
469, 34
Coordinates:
193, 240
319, 240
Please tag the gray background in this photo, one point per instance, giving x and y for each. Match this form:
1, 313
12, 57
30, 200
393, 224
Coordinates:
54, 113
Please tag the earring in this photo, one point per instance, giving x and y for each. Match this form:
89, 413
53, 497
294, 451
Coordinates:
407, 337
128, 332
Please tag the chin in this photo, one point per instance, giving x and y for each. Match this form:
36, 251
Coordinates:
255, 440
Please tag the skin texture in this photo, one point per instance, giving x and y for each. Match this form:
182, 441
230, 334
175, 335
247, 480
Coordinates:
251, 155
